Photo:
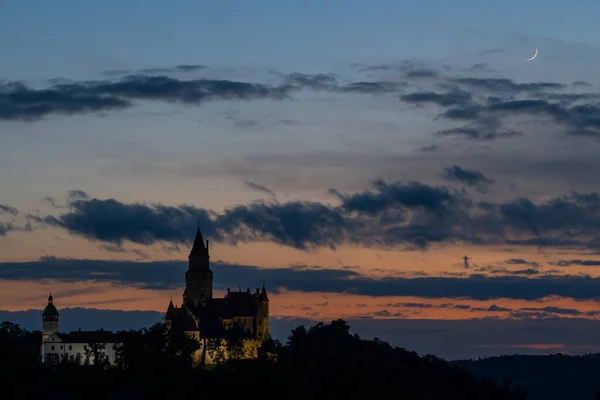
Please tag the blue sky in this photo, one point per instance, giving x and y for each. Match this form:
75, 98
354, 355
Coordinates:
358, 139
40, 39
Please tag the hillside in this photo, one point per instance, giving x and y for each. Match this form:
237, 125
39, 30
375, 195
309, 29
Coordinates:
544, 377
324, 361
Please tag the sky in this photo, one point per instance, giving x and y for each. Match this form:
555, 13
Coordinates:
348, 154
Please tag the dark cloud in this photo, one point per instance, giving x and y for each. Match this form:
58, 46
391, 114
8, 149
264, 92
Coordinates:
4, 209
6, 227
297, 224
447, 99
527, 271
537, 312
553, 310
470, 177
178, 68
421, 74
410, 214
300, 81
77, 195
580, 84
167, 274
410, 195
520, 261
484, 128
142, 87
496, 85
51, 202
19, 102
468, 113
170, 274
112, 221
377, 87
495, 269
330, 82
492, 308
259, 188
190, 67
483, 101
427, 305
566, 263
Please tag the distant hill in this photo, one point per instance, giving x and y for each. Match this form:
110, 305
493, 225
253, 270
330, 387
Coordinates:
548, 377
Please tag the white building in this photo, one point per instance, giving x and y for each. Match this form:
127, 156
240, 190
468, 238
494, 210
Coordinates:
77, 346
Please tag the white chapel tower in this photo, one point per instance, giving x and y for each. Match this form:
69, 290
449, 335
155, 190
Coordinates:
49, 320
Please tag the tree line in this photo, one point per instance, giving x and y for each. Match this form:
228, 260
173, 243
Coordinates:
319, 362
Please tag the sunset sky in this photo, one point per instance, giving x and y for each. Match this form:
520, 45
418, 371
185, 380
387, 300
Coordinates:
348, 154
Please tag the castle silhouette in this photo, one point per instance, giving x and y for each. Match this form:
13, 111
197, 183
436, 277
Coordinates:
205, 317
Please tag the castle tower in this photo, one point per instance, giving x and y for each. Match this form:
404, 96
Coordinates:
49, 319
199, 277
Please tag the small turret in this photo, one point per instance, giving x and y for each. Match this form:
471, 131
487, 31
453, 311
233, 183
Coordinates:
263, 295
170, 315
170, 311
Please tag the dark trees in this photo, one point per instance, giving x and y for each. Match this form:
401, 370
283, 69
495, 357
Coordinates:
19, 347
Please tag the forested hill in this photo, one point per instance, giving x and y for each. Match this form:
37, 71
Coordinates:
548, 377
321, 362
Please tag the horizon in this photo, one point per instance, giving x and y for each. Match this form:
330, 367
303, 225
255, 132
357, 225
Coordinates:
398, 166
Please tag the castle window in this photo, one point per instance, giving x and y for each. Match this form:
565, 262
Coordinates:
70, 347
61, 347
52, 347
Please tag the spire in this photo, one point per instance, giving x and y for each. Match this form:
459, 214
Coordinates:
199, 249
263, 295
170, 311
50, 298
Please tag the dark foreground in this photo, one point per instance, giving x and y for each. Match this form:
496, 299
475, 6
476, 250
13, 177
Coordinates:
544, 377
326, 381
321, 362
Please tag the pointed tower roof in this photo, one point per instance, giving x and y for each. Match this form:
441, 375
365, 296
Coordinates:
199, 248
170, 311
263, 294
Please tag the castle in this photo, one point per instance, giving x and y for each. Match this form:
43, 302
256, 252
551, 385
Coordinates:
74, 346
207, 318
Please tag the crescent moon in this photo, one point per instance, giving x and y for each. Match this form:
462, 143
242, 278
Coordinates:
534, 56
